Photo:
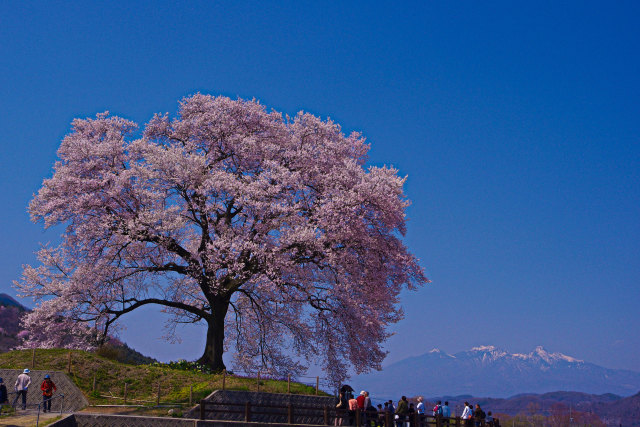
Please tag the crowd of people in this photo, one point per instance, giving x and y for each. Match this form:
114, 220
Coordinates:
21, 388
352, 411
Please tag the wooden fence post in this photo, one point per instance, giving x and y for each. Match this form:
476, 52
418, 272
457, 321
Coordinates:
325, 412
125, 393
202, 409
289, 413
289, 383
33, 358
258, 382
457, 421
317, 384
247, 412
224, 379
191, 396
158, 397
358, 416
94, 383
387, 419
69, 365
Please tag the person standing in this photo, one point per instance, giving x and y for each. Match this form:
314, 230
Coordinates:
382, 414
361, 404
437, 410
22, 385
478, 415
489, 419
401, 411
370, 412
420, 410
4, 396
412, 415
446, 413
341, 409
466, 413
353, 408
47, 387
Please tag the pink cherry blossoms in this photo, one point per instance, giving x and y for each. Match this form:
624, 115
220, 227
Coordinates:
268, 228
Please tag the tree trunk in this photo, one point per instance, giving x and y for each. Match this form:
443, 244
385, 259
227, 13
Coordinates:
214, 348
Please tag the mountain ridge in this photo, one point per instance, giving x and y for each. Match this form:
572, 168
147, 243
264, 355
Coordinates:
7, 300
491, 371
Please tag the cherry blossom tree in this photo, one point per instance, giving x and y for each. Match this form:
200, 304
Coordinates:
268, 228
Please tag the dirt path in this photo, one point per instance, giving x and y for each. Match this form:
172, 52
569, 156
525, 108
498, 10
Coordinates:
27, 418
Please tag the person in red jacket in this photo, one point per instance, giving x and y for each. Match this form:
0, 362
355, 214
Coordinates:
47, 387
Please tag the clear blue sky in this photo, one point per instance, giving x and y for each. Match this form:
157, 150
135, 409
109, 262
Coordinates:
516, 122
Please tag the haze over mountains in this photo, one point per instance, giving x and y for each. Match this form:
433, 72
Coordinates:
489, 371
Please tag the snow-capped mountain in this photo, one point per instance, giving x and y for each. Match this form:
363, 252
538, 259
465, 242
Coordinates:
489, 371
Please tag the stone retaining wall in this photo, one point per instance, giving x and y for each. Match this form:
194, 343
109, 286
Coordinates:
102, 420
74, 400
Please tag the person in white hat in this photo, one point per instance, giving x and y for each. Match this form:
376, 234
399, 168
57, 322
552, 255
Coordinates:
22, 385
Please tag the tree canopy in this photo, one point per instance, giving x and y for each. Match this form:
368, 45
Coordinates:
269, 228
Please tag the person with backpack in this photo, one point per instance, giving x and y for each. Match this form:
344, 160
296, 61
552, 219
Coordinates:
489, 419
437, 410
47, 387
478, 415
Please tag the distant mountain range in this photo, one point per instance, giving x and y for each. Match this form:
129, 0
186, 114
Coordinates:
612, 409
489, 371
10, 313
9, 301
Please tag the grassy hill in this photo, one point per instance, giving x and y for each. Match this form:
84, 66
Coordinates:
142, 380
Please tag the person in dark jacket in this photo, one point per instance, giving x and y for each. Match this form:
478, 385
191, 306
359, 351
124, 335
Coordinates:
341, 409
478, 415
4, 396
401, 411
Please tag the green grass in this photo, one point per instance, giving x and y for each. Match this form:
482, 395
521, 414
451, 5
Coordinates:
142, 380
51, 421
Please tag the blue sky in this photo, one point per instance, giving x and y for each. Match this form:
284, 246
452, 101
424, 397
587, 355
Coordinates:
516, 123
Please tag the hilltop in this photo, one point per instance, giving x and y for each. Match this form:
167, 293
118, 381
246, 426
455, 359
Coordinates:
11, 311
142, 380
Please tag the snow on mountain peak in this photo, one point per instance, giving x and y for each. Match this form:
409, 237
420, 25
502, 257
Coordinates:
549, 357
484, 348
541, 354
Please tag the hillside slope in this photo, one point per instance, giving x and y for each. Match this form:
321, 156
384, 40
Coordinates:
142, 380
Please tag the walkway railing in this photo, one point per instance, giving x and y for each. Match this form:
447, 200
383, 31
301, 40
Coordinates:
41, 404
328, 416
